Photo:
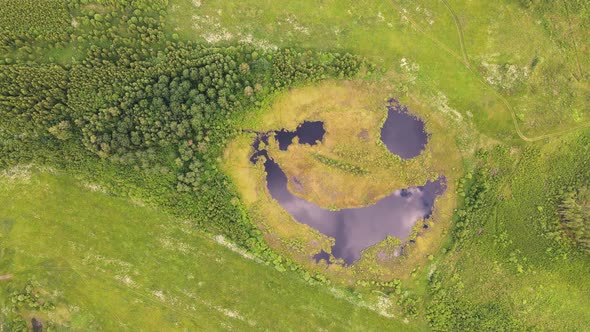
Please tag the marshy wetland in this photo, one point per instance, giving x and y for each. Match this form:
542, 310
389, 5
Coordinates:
355, 229
333, 178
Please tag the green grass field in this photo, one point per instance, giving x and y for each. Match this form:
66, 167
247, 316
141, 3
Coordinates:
110, 264
513, 258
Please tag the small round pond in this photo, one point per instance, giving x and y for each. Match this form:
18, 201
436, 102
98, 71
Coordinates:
356, 229
403, 134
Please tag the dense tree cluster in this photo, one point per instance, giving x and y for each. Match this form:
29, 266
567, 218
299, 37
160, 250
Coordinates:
473, 188
34, 17
574, 211
291, 67
30, 29
121, 32
32, 98
174, 107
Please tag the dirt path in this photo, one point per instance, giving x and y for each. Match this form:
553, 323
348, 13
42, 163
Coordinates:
465, 60
459, 31
499, 95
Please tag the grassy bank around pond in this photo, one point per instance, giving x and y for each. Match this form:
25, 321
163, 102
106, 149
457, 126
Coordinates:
353, 113
81, 259
505, 262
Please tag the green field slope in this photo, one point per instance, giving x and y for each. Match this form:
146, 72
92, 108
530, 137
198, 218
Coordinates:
86, 261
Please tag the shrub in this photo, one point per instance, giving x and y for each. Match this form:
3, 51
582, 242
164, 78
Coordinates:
574, 212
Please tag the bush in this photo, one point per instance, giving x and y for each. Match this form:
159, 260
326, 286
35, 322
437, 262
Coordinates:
574, 212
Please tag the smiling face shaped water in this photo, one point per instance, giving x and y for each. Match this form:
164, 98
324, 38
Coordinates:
356, 229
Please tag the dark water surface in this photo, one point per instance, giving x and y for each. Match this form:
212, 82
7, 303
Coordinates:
309, 132
321, 255
356, 229
402, 133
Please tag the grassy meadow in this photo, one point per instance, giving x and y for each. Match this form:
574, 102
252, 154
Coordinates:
509, 261
487, 59
107, 263
490, 89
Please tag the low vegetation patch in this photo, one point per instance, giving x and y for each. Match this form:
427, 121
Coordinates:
344, 166
71, 268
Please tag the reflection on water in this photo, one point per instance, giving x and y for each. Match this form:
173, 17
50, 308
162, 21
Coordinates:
402, 133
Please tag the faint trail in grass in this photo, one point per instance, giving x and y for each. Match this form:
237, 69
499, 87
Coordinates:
467, 64
418, 28
89, 302
459, 31
109, 280
465, 60
576, 52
